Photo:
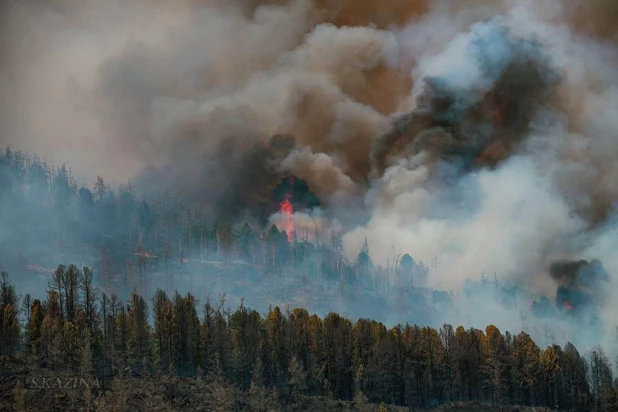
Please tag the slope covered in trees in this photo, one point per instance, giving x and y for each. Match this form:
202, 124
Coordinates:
136, 240
178, 351
149, 241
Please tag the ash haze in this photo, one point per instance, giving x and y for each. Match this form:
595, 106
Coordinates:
481, 136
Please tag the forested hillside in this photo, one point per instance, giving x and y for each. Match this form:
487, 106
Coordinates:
309, 205
137, 241
177, 353
141, 241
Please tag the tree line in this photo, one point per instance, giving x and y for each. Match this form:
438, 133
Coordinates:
242, 360
44, 207
128, 238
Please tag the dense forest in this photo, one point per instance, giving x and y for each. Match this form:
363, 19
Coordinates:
130, 238
124, 325
43, 206
144, 241
175, 353
315, 205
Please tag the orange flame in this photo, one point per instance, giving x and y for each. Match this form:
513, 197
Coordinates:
287, 210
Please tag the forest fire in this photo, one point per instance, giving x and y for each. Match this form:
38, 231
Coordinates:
287, 210
449, 122
292, 194
580, 285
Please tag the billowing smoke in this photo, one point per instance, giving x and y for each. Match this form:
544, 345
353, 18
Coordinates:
581, 284
481, 135
477, 102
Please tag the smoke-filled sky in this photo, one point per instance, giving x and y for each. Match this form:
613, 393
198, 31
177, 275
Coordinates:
483, 133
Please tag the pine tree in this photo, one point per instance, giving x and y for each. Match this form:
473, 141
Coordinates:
225, 240
89, 296
363, 260
9, 331
9, 322
34, 329
138, 333
162, 316
298, 378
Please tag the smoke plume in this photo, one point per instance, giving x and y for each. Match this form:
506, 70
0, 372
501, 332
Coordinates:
480, 135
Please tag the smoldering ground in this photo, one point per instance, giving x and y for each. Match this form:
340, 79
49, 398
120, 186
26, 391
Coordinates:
480, 134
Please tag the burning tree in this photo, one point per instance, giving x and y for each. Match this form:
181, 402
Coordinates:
293, 195
287, 210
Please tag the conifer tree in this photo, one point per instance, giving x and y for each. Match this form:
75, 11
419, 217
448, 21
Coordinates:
9, 323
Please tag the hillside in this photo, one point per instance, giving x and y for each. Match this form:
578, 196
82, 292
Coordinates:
298, 205
169, 354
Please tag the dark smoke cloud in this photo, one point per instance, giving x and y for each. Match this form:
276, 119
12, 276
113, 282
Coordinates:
581, 284
579, 274
297, 192
238, 182
478, 114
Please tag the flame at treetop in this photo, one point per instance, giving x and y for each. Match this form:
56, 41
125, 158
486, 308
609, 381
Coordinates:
287, 210
292, 195
568, 305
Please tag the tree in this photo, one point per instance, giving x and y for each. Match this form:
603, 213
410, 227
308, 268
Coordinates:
275, 324
245, 328
245, 243
359, 383
162, 315
138, 332
57, 284
9, 330
524, 360
575, 371
86, 204
185, 329
495, 364
274, 248
407, 263
298, 377
34, 328
363, 260
100, 189
38, 182
8, 296
89, 297
602, 380
145, 218
447, 336
26, 305
9, 323
72, 280
62, 189
550, 369
225, 239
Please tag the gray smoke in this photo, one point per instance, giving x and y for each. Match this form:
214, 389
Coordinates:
480, 135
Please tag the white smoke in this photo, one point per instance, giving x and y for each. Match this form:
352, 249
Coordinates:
515, 219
